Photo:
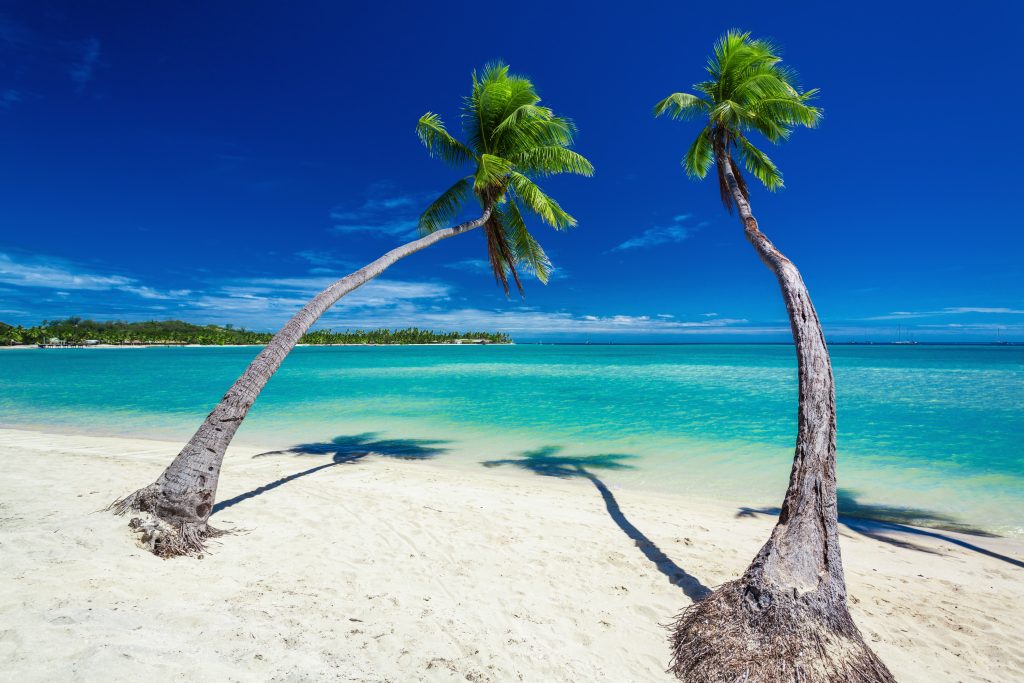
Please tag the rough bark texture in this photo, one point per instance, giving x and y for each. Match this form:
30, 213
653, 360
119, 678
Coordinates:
786, 618
179, 502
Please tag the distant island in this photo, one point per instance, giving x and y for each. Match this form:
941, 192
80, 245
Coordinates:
83, 332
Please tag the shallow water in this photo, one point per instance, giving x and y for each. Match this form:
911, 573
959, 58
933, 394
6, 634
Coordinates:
928, 435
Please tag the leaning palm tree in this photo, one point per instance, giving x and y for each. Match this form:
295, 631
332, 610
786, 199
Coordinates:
786, 618
510, 139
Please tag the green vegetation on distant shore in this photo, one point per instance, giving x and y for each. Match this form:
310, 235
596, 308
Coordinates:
78, 330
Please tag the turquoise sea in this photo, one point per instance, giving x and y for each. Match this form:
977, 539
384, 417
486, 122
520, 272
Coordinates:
930, 435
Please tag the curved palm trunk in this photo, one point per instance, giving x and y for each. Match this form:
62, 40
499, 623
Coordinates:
181, 499
786, 618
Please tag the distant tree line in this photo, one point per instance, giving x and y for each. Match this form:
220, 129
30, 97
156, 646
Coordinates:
409, 335
77, 330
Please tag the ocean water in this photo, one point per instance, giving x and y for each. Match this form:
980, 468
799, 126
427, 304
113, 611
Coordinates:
929, 435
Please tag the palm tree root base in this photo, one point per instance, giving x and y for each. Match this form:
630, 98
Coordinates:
159, 536
747, 632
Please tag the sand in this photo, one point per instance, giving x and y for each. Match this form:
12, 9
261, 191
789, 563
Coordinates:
389, 570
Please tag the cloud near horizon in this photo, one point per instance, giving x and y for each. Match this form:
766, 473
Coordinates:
952, 310
55, 274
44, 287
267, 302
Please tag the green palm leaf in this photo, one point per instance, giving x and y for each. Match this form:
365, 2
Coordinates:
749, 90
439, 143
525, 248
682, 106
544, 206
700, 156
446, 207
491, 172
551, 160
758, 163
511, 138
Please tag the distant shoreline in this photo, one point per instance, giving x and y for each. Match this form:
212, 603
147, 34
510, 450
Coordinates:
222, 346
565, 343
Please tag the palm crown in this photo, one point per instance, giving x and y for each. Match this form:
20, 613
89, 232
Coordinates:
749, 89
511, 140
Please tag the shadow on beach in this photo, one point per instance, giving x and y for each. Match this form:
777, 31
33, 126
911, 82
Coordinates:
875, 521
343, 450
546, 462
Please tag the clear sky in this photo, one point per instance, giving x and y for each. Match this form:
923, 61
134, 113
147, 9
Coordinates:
219, 162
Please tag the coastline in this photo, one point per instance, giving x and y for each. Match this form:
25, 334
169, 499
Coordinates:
375, 568
23, 347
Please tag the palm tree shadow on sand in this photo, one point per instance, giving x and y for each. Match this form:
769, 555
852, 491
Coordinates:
343, 450
874, 521
546, 462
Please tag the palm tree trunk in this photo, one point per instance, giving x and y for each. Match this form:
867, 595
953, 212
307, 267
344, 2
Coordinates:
786, 618
181, 499
803, 551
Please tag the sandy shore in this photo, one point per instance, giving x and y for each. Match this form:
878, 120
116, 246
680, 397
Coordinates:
390, 570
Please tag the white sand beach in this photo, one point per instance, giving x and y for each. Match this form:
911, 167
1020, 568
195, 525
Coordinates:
390, 570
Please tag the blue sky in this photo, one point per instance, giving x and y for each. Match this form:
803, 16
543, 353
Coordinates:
219, 162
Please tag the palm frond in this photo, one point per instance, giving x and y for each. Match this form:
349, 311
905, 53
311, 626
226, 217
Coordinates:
788, 111
524, 247
748, 89
521, 113
551, 160
758, 163
700, 155
521, 93
682, 106
512, 139
443, 209
491, 172
439, 142
494, 97
499, 253
533, 131
544, 206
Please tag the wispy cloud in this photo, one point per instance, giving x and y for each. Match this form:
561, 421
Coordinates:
472, 265
953, 310
385, 213
406, 228
150, 293
379, 292
33, 287
54, 274
10, 97
389, 203
967, 309
272, 295
483, 267
266, 302
966, 327
659, 234
81, 71
322, 259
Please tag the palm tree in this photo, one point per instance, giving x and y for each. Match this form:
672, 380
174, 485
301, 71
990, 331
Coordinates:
511, 139
786, 618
